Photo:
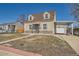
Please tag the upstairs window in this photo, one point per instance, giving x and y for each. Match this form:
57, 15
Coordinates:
46, 15
30, 17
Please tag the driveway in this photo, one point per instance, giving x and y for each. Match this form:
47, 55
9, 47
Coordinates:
73, 41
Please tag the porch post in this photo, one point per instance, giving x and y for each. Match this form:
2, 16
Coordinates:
72, 29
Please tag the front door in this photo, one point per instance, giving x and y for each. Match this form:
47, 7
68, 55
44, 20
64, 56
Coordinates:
36, 28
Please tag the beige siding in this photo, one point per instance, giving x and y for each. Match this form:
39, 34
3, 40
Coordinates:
26, 27
50, 26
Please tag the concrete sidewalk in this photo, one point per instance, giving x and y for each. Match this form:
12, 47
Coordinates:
9, 51
73, 41
29, 35
16, 39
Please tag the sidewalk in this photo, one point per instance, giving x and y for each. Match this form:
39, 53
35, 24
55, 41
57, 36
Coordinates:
15, 52
29, 35
7, 53
15, 39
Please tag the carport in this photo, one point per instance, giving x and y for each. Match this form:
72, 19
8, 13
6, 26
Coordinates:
63, 27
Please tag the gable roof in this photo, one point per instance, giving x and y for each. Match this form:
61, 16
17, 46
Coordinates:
39, 17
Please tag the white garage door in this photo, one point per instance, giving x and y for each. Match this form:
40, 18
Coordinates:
60, 30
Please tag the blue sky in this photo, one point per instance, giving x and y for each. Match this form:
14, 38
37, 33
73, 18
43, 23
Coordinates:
10, 12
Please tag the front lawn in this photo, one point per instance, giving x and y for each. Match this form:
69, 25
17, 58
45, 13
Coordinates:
44, 45
4, 37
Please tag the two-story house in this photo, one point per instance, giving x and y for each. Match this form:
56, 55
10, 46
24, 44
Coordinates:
40, 23
46, 23
7, 27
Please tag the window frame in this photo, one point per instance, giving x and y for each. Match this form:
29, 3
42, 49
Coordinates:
30, 26
46, 15
30, 17
44, 26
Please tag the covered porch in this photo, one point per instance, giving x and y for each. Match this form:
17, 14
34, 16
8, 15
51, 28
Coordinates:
35, 28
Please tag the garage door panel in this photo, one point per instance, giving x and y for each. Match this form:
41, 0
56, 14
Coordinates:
60, 30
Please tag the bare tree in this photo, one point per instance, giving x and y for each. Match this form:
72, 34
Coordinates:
75, 11
22, 18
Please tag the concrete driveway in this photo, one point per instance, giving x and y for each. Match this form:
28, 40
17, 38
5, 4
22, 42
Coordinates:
73, 41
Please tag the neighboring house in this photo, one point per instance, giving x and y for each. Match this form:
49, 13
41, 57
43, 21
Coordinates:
19, 27
7, 27
1, 28
46, 23
11, 27
76, 28
40, 23
76, 31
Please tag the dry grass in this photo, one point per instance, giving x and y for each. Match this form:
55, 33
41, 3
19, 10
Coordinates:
4, 37
44, 45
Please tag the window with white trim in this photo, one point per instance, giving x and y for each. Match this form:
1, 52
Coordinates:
30, 26
46, 15
30, 17
44, 26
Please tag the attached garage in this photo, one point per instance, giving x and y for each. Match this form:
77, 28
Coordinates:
61, 27
60, 30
